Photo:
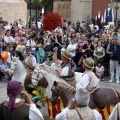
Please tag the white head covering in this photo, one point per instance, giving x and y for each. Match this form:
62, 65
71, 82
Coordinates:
82, 97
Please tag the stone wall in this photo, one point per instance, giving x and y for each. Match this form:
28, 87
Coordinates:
118, 12
80, 9
63, 8
12, 10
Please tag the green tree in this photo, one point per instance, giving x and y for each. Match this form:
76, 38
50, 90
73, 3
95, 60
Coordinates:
48, 5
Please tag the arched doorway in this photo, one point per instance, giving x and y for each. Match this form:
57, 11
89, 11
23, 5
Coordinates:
99, 5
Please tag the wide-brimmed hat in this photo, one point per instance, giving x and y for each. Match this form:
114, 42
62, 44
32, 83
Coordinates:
89, 63
66, 54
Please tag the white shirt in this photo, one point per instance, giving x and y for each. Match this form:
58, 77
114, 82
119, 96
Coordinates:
97, 27
47, 41
99, 70
63, 49
72, 47
31, 43
9, 39
34, 113
39, 24
83, 83
58, 30
9, 58
62, 115
33, 60
55, 66
65, 71
20, 25
7, 27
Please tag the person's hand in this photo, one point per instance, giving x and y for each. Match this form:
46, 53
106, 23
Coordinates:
55, 49
72, 104
26, 97
98, 57
57, 62
25, 63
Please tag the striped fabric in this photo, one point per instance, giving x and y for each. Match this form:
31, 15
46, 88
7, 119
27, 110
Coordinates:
55, 109
106, 111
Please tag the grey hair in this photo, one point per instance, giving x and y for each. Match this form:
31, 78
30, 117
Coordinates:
82, 97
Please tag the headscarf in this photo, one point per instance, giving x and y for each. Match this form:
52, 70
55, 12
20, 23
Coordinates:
13, 89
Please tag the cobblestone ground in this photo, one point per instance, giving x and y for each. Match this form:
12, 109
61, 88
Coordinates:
3, 94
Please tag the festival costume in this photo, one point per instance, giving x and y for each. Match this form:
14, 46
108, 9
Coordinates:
93, 81
85, 112
20, 112
15, 108
99, 19
89, 80
108, 15
31, 60
80, 113
67, 73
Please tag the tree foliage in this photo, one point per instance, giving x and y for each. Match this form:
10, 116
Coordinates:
48, 5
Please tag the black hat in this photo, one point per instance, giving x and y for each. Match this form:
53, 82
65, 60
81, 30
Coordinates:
50, 55
28, 49
90, 41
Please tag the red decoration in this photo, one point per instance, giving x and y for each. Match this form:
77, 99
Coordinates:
51, 20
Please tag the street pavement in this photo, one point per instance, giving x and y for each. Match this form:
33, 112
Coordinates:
3, 93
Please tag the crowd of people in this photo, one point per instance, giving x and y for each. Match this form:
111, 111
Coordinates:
73, 47
82, 40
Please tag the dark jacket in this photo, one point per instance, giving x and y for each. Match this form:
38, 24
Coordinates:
115, 52
18, 113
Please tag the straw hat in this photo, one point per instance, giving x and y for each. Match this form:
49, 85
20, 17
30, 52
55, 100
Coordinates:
66, 54
89, 63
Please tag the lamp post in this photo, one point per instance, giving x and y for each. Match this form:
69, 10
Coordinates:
116, 8
43, 10
36, 3
30, 9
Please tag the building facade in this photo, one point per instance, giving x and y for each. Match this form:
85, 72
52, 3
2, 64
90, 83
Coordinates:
11, 10
79, 9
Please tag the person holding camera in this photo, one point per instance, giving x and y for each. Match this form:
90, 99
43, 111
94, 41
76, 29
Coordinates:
114, 51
